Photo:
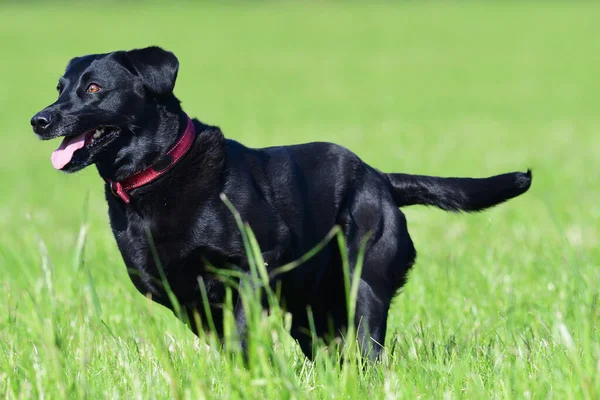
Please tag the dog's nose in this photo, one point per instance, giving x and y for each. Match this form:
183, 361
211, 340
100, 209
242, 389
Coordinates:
41, 121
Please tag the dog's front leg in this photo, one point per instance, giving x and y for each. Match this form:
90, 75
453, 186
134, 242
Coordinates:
241, 325
251, 297
247, 300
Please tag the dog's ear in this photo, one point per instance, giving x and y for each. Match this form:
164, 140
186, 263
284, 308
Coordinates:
156, 67
73, 61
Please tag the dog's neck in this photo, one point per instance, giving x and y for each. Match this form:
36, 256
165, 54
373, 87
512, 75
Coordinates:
142, 146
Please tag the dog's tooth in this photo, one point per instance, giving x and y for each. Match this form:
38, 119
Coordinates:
98, 133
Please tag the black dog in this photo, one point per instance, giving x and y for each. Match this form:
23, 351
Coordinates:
165, 175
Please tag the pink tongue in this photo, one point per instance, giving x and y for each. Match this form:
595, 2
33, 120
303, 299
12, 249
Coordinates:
64, 153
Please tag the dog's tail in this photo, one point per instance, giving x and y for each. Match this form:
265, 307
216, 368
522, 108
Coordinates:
458, 194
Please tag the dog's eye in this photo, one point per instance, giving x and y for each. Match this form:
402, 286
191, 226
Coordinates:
93, 88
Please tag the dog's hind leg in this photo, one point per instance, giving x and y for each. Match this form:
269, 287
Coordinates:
370, 320
388, 255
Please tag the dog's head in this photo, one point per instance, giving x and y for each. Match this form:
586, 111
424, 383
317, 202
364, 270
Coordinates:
106, 105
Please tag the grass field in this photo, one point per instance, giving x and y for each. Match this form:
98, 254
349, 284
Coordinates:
502, 304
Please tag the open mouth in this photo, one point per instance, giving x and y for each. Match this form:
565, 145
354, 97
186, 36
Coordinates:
89, 140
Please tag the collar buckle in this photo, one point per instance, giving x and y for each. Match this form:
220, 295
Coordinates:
119, 191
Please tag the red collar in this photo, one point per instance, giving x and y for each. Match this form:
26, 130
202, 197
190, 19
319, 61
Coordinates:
176, 153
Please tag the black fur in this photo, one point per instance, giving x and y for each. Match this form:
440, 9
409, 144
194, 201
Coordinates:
291, 196
458, 194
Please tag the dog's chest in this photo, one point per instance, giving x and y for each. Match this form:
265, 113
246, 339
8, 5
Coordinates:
156, 254
154, 267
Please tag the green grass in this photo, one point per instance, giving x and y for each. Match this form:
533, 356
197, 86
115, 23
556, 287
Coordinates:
502, 304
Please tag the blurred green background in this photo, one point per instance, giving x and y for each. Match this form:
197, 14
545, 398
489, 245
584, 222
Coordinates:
440, 88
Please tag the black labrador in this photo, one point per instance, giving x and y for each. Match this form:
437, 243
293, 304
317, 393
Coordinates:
165, 175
